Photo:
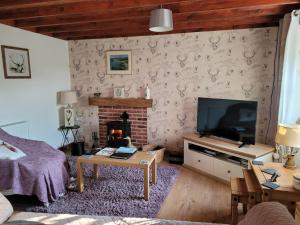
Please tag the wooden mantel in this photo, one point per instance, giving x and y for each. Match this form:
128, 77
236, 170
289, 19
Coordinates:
124, 102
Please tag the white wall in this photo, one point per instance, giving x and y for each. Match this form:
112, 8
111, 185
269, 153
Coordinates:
35, 100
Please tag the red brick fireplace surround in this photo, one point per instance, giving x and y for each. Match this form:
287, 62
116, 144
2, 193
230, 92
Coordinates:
110, 110
137, 117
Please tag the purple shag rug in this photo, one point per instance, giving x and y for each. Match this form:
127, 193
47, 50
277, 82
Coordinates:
119, 191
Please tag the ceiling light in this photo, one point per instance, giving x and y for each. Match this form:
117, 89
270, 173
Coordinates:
161, 20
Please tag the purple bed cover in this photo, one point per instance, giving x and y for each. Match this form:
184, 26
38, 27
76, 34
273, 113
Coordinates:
42, 172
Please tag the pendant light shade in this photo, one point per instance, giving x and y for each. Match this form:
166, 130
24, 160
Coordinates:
161, 20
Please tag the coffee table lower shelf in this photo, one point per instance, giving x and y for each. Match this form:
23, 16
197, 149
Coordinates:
134, 161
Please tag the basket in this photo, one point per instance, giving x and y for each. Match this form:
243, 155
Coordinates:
160, 152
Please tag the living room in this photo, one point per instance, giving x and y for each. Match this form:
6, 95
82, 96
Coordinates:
97, 76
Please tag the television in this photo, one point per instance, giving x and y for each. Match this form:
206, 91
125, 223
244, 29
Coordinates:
230, 119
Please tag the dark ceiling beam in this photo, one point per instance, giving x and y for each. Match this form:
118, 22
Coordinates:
33, 29
104, 5
77, 19
79, 7
120, 14
19, 3
180, 26
81, 18
13, 4
216, 27
144, 20
8, 22
116, 24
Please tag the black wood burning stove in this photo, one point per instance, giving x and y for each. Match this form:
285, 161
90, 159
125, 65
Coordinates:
116, 132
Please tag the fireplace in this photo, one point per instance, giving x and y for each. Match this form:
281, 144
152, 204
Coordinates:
135, 127
116, 132
110, 110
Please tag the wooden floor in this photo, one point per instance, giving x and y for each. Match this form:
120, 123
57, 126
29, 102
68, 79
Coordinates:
196, 197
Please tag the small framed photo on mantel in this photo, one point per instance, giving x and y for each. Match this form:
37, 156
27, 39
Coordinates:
118, 63
119, 92
16, 62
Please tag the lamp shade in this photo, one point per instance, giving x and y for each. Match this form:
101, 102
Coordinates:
161, 20
68, 97
288, 135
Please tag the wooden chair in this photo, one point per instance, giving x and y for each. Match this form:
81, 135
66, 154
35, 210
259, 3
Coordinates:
253, 188
239, 194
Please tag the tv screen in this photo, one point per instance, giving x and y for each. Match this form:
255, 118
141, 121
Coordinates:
231, 119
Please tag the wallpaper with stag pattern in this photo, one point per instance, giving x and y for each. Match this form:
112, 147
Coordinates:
178, 68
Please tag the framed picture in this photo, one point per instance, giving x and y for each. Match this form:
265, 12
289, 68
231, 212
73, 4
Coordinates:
118, 63
16, 62
119, 92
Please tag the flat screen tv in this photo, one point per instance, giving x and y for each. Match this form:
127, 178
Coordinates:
231, 119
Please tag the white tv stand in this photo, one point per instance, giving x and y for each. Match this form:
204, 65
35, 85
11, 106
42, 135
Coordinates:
220, 158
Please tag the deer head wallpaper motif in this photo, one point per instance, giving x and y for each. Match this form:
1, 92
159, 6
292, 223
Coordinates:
179, 68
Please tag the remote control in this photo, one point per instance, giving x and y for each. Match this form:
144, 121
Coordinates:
269, 171
257, 162
271, 185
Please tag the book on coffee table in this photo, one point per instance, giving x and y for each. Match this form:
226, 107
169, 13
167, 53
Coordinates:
124, 153
106, 151
121, 155
126, 150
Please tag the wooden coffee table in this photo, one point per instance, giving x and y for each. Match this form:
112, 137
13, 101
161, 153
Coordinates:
133, 161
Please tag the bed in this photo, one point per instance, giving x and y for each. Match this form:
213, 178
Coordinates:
42, 172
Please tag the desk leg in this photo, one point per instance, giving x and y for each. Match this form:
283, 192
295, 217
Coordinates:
80, 185
234, 209
154, 170
96, 171
146, 183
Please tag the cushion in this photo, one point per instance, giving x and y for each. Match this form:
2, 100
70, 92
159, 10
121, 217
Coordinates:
6, 209
268, 213
9, 152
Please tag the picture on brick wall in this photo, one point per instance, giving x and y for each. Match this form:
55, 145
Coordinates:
118, 63
16, 63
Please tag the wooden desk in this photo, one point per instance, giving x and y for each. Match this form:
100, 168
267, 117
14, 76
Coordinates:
285, 193
133, 161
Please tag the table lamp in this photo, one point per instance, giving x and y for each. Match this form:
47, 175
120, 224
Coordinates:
68, 98
289, 135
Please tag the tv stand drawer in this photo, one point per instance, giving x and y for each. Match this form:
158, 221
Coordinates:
225, 170
199, 161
